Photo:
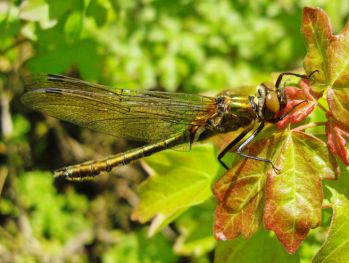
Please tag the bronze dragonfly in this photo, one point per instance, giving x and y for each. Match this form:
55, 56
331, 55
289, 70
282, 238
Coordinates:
162, 119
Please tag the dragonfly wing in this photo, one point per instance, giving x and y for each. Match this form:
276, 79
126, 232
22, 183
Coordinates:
147, 116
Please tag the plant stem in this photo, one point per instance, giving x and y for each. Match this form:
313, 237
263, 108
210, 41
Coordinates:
309, 125
322, 107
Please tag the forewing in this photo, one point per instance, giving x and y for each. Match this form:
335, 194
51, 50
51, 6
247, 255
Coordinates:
137, 115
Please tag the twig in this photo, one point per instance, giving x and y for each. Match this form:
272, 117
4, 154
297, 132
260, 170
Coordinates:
309, 125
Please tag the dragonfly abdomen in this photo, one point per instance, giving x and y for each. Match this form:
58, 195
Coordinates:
91, 169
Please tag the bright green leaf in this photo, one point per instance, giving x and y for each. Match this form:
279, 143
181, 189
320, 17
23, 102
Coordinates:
175, 187
38, 11
336, 247
137, 248
73, 26
196, 233
260, 248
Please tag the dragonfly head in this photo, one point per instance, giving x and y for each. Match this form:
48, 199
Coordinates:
269, 101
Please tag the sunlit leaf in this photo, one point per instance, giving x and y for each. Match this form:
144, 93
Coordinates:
326, 52
336, 246
196, 233
300, 104
38, 11
239, 193
294, 196
137, 248
175, 187
337, 136
262, 247
338, 101
160, 221
317, 31
73, 26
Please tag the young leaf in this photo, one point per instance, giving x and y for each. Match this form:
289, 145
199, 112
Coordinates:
336, 246
240, 195
327, 53
195, 229
301, 102
262, 247
186, 184
338, 101
294, 196
317, 31
336, 134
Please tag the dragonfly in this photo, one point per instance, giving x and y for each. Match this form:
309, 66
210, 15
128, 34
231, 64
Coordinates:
161, 119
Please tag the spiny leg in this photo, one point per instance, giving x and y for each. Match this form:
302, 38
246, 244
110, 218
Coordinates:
248, 141
302, 76
231, 145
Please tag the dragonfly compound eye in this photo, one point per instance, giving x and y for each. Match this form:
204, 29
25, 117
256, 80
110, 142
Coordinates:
272, 102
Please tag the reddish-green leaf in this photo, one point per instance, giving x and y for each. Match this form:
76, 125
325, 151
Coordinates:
300, 104
240, 194
317, 30
337, 134
338, 101
330, 54
327, 53
336, 247
294, 196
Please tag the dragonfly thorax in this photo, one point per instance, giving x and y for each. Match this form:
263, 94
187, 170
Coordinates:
231, 113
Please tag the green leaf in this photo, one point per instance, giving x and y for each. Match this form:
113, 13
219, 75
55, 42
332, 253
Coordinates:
160, 221
172, 187
336, 246
36, 11
294, 196
262, 247
195, 228
73, 26
20, 127
61, 56
137, 248
98, 11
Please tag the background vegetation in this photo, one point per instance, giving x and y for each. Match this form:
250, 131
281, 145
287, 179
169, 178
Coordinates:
190, 46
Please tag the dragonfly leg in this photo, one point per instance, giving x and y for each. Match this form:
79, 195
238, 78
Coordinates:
275, 120
302, 76
248, 141
231, 145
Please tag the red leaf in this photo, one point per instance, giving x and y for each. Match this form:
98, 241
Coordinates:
305, 100
336, 133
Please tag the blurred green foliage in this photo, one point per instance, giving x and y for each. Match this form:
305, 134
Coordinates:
185, 45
